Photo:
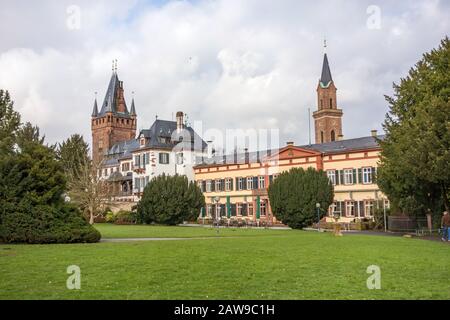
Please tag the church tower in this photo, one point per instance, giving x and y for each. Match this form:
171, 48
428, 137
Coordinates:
114, 123
327, 118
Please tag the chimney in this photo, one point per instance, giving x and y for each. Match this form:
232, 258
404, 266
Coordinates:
180, 123
235, 157
374, 133
247, 156
210, 146
290, 143
340, 137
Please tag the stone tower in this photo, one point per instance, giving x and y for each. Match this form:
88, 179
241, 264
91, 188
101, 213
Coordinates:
114, 123
327, 118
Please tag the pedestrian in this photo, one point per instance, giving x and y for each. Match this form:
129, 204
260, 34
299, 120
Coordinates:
445, 225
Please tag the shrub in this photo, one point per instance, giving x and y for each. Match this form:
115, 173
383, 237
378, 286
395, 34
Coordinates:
294, 194
109, 217
45, 224
170, 200
125, 217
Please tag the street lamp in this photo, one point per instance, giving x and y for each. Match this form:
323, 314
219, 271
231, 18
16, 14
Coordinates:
318, 216
216, 199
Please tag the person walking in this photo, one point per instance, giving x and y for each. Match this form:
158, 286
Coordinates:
445, 225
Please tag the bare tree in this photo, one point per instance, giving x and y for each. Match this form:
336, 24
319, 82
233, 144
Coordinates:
88, 189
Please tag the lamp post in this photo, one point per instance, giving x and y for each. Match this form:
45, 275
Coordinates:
216, 199
318, 216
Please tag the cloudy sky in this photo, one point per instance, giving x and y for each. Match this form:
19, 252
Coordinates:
230, 63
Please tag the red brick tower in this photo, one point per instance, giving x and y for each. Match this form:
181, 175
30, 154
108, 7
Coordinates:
327, 118
114, 123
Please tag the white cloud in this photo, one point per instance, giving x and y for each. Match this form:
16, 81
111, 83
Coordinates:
232, 64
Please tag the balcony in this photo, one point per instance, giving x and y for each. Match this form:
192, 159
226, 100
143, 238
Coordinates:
139, 169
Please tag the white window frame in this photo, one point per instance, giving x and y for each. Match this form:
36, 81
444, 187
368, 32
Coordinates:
367, 175
240, 183
332, 176
208, 185
161, 158
228, 184
350, 207
249, 183
368, 208
348, 176
261, 205
238, 209
261, 182
217, 185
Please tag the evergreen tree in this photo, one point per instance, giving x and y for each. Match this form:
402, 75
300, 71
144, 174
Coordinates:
294, 195
415, 157
9, 123
73, 153
32, 208
170, 200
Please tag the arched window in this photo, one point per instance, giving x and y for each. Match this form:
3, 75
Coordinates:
333, 135
321, 103
331, 103
321, 136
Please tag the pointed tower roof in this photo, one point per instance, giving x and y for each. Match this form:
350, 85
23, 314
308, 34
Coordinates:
95, 109
326, 78
133, 108
110, 101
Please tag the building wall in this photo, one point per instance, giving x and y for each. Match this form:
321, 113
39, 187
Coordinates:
344, 193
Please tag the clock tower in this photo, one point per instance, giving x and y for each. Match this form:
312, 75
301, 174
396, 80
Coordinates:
327, 118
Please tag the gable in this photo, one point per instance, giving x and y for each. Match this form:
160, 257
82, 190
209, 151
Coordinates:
291, 152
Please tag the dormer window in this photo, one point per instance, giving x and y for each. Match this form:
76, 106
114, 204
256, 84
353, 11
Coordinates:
142, 142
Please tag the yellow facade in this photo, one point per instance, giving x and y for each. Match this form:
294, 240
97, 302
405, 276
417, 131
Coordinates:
356, 195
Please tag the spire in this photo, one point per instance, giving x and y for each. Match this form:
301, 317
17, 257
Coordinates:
133, 108
95, 110
325, 78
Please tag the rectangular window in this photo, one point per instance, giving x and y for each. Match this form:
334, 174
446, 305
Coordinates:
137, 184
263, 208
239, 209
262, 182
367, 175
350, 209
200, 185
250, 209
208, 186
164, 158
369, 208
249, 183
218, 186
228, 184
240, 183
137, 160
348, 176
332, 176
125, 167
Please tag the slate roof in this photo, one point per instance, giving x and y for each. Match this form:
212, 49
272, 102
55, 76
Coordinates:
325, 78
161, 135
109, 103
168, 130
95, 109
363, 143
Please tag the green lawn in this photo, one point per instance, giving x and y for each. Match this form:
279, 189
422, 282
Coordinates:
141, 231
255, 264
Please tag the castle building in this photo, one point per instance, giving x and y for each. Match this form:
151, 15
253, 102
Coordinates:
235, 187
114, 123
128, 162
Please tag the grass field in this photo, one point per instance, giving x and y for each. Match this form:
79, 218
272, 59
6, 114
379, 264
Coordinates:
241, 264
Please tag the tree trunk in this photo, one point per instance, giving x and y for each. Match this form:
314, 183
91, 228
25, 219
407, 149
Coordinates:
91, 216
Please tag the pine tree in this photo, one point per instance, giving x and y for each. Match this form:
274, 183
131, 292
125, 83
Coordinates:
415, 158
